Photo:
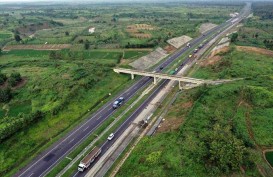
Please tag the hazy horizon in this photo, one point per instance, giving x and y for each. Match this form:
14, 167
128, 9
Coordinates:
109, 1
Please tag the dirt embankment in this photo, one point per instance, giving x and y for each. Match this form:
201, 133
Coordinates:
255, 50
169, 48
213, 57
173, 123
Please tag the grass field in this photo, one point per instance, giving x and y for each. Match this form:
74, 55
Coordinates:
257, 30
110, 22
63, 85
241, 111
65, 89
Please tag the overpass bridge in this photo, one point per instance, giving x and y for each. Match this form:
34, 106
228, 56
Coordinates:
180, 79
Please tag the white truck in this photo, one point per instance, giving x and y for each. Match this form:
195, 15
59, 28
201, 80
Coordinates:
89, 158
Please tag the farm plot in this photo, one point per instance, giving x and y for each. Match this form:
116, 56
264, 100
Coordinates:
37, 47
139, 30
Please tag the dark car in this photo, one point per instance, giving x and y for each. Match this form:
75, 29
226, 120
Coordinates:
118, 102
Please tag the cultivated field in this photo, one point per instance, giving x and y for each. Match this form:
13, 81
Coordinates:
54, 72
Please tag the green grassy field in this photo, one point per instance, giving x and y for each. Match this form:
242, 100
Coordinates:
169, 20
257, 30
239, 112
64, 89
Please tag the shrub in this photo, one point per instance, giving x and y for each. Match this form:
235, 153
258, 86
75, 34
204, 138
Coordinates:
3, 78
17, 38
5, 95
14, 79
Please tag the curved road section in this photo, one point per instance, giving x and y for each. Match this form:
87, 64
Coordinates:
44, 162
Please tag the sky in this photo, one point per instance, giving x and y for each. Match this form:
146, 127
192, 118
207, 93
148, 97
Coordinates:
98, 1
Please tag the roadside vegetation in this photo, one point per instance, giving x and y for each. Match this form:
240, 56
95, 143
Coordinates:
44, 93
257, 30
211, 118
43, 96
223, 130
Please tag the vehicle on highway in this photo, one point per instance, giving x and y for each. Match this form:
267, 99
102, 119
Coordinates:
118, 102
189, 45
111, 136
195, 50
89, 158
190, 56
200, 46
161, 67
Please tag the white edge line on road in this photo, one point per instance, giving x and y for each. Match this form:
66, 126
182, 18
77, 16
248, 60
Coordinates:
85, 128
82, 138
71, 140
76, 174
77, 130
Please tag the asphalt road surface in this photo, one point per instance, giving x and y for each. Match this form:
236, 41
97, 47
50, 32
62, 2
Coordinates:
47, 159
107, 144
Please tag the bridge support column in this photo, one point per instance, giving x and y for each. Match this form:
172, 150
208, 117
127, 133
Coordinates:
179, 85
154, 80
132, 76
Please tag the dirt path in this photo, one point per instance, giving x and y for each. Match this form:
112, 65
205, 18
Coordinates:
255, 50
252, 137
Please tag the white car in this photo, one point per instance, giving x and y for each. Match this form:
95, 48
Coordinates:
111, 136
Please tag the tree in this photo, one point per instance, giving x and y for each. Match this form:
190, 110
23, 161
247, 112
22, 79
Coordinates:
3, 78
234, 37
225, 152
67, 33
86, 45
14, 79
17, 38
52, 55
5, 95
16, 76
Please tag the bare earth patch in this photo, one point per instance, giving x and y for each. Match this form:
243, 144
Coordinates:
255, 50
20, 84
170, 124
187, 104
221, 49
210, 61
173, 123
37, 47
169, 48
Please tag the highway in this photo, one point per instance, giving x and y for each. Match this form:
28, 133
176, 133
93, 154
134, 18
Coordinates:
42, 164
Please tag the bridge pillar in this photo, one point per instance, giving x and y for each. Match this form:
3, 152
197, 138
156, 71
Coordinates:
179, 85
132, 76
154, 80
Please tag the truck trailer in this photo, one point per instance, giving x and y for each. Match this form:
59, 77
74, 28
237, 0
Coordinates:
89, 158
